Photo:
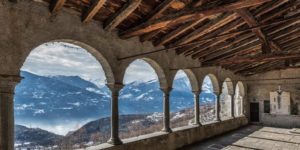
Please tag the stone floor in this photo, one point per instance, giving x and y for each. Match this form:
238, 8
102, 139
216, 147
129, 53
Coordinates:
252, 137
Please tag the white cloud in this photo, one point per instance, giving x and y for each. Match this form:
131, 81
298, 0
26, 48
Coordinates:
139, 70
207, 85
58, 58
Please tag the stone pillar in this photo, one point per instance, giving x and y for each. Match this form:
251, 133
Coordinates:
7, 123
232, 105
115, 89
197, 107
218, 107
166, 101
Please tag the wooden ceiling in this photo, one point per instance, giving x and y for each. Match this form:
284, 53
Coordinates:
244, 36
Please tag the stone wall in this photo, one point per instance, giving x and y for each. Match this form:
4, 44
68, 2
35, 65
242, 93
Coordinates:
31, 24
178, 138
285, 121
260, 86
26, 24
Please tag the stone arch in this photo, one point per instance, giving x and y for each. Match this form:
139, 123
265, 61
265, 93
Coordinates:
241, 87
226, 99
158, 70
215, 83
239, 99
182, 104
94, 52
229, 85
192, 78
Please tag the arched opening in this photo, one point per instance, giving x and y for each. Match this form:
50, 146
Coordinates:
208, 100
63, 101
181, 101
239, 99
141, 99
226, 100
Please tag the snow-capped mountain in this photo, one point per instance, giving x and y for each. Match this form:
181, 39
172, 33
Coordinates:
68, 99
61, 104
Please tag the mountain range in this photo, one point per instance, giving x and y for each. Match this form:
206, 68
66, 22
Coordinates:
61, 104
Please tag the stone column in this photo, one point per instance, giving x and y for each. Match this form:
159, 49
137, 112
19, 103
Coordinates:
115, 89
166, 101
232, 105
7, 123
197, 107
218, 107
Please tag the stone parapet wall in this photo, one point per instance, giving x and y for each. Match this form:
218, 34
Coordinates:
178, 138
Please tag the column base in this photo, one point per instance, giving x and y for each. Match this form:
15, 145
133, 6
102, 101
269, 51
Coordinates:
218, 120
115, 141
197, 124
168, 130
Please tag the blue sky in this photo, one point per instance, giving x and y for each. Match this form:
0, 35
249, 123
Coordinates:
57, 58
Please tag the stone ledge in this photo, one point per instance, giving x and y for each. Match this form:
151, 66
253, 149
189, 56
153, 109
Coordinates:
180, 137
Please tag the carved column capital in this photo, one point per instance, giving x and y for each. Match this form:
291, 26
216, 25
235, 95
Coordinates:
115, 87
166, 90
196, 92
8, 83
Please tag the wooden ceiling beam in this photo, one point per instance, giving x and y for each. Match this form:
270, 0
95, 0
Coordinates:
175, 33
262, 58
56, 5
251, 21
207, 28
225, 46
187, 15
157, 12
247, 48
284, 33
269, 7
283, 9
262, 68
183, 28
251, 69
289, 38
225, 29
243, 45
275, 22
148, 36
121, 15
92, 10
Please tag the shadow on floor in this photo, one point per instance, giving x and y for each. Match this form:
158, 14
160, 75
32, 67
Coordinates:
225, 140
251, 137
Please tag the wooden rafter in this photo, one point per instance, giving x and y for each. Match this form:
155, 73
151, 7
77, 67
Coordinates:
56, 5
263, 58
211, 26
157, 12
187, 15
177, 32
225, 29
204, 29
121, 15
92, 10
251, 21
168, 37
243, 45
151, 34
223, 46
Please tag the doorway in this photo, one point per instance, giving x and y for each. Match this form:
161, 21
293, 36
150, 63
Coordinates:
254, 112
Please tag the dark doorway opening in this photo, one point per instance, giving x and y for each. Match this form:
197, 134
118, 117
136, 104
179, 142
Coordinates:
254, 112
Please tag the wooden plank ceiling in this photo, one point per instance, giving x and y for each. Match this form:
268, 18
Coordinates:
245, 36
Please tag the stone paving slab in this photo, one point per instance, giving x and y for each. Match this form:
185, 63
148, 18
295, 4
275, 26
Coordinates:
252, 137
295, 131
